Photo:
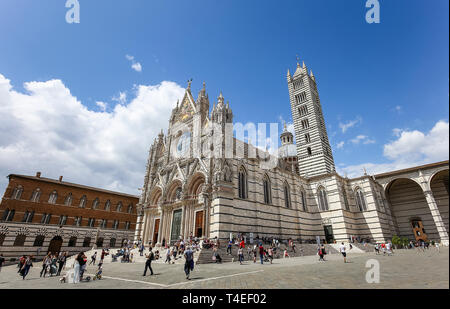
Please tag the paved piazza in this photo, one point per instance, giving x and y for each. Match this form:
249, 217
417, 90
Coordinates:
406, 269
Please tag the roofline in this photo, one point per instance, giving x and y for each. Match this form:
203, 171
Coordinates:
410, 169
70, 184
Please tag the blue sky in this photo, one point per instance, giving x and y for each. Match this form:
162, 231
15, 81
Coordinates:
390, 80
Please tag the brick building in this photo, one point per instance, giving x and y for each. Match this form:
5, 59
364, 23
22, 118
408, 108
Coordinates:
39, 214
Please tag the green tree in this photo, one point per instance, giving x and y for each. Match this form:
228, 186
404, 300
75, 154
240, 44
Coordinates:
396, 241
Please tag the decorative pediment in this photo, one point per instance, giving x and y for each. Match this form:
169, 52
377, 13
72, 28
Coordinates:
58, 232
73, 233
186, 109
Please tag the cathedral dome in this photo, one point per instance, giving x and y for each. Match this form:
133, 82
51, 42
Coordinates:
288, 150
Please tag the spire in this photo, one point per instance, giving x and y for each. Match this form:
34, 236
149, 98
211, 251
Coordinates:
220, 100
304, 66
189, 84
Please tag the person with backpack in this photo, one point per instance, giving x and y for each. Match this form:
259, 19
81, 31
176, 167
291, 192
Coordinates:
148, 263
320, 253
26, 267
189, 263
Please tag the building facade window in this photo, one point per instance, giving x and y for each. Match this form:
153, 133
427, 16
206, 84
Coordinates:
344, 194
95, 203
119, 205
17, 193
46, 218
267, 190
303, 198
8, 215
108, 205
28, 216
83, 201
77, 221
62, 220
130, 209
116, 224
91, 222
36, 195
68, 200
323, 199
287, 196
53, 197
360, 200
104, 223
242, 185
127, 225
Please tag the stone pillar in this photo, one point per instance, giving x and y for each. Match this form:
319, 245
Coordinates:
437, 217
161, 221
144, 226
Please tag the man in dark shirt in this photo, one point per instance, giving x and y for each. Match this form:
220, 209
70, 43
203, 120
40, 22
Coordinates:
189, 264
148, 264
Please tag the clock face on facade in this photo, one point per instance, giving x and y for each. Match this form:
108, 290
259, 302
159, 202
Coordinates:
183, 145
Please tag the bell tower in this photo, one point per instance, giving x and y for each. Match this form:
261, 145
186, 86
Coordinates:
313, 147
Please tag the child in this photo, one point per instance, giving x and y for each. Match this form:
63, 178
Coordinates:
286, 254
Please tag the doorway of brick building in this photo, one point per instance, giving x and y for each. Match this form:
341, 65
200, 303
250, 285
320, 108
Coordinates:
199, 224
55, 245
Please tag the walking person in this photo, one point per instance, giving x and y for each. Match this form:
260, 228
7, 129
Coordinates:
436, 245
93, 258
61, 262
148, 263
168, 253
286, 254
240, 255
189, 263
261, 253
46, 264
26, 267
270, 254
229, 246
320, 253
344, 254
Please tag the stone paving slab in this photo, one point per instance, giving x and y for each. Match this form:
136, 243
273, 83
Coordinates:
405, 269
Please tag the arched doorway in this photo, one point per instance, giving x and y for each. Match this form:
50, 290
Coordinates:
410, 210
55, 245
439, 187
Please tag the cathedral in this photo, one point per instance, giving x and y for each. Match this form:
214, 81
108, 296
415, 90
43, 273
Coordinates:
203, 181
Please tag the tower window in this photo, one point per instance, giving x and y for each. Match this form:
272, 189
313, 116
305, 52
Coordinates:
307, 138
309, 151
300, 98
305, 124
303, 110
299, 83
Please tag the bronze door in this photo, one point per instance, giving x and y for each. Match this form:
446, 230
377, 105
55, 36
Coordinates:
199, 224
155, 232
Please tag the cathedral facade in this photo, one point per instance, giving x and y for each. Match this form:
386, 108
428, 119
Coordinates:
201, 180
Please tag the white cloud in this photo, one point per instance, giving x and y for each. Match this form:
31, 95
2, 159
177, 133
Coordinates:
137, 67
350, 124
47, 129
340, 145
102, 105
411, 148
134, 64
362, 138
121, 98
